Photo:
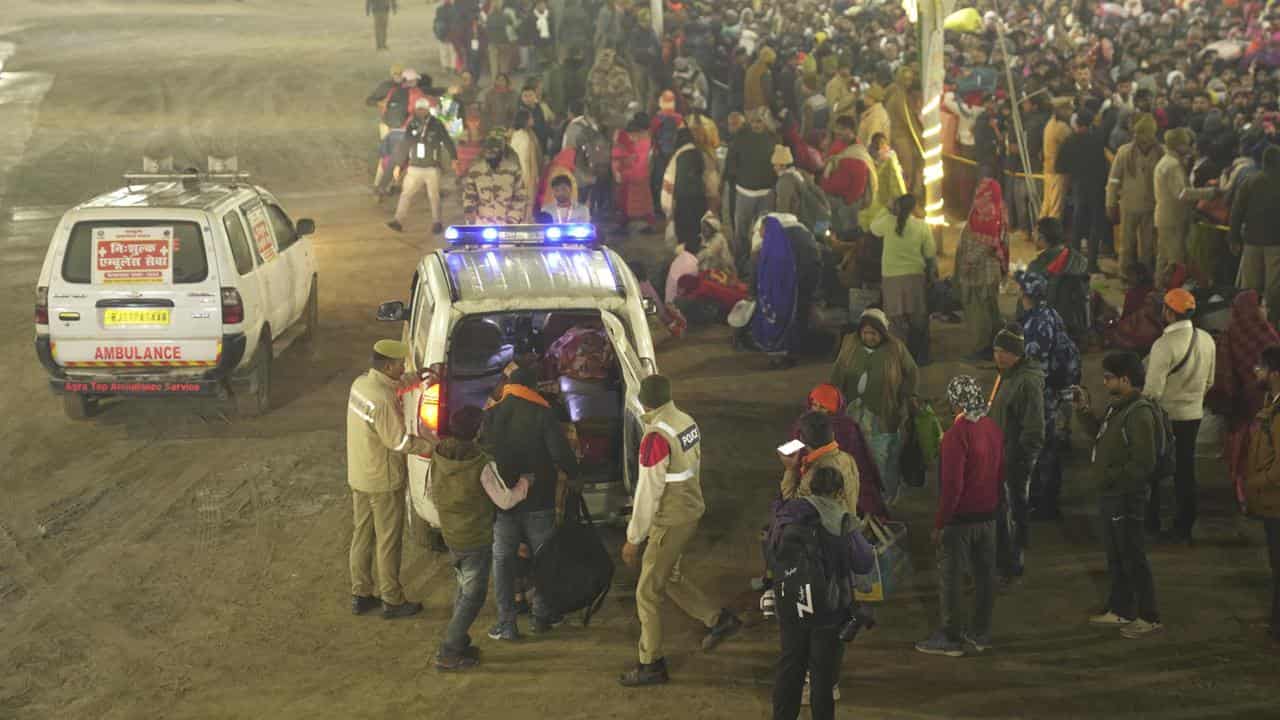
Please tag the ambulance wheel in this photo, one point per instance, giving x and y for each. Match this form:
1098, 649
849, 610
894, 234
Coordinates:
79, 407
311, 315
253, 397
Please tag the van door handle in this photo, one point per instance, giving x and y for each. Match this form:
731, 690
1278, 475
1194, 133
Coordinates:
68, 316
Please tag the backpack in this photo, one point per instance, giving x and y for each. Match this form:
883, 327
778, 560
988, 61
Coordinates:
1064, 360
667, 135
443, 22
1166, 460
397, 111
573, 570
814, 207
808, 586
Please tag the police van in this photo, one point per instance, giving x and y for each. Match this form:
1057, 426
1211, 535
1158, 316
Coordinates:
496, 293
175, 284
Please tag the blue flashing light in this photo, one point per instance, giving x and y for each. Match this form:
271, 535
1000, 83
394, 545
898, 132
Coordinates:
451, 233
489, 234
579, 231
553, 233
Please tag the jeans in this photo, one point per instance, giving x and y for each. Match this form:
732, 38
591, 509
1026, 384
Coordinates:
1272, 526
1184, 481
967, 547
533, 527
885, 450
807, 648
471, 568
1133, 592
1012, 528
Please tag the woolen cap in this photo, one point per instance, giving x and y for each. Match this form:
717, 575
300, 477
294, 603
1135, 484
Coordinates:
655, 391
876, 319
1010, 342
393, 349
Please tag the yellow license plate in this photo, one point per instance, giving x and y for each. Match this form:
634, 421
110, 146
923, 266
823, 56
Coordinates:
135, 317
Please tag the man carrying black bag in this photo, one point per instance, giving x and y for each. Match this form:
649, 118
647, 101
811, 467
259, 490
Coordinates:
815, 550
666, 510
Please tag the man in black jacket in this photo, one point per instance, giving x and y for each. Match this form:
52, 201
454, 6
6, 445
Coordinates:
381, 11
523, 434
1083, 158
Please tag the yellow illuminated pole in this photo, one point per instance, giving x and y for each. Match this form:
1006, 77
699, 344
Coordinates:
929, 16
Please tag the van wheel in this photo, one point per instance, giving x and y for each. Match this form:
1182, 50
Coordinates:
253, 398
311, 315
79, 407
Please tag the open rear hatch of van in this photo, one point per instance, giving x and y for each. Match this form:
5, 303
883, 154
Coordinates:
136, 298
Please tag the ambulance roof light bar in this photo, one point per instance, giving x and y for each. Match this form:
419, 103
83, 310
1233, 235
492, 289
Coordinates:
526, 235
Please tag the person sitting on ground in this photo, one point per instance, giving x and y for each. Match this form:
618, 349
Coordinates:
465, 488
715, 254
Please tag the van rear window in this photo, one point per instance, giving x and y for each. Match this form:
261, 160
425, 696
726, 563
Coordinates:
135, 252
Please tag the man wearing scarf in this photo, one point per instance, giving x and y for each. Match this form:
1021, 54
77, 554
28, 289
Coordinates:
1017, 406
982, 261
820, 451
828, 400
523, 434
495, 192
970, 476
1131, 196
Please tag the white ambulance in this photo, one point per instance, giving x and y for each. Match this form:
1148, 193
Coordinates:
472, 305
176, 284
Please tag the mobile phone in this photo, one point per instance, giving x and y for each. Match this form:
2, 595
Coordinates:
791, 448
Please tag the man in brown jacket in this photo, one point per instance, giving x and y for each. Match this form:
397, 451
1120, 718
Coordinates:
1131, 198
1262, 483
377, 443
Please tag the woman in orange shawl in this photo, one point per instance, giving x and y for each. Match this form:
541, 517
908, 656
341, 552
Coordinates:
1235, 394
982, 261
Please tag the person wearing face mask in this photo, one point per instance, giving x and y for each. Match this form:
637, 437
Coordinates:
1124, 456
494, 191
876, 373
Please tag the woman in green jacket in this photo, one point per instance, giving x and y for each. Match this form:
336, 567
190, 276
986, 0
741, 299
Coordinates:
878, 375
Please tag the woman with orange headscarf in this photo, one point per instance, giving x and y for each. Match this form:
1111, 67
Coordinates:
828, 400
982, 261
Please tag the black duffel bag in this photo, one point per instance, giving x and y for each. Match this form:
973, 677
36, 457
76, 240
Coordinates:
573, 570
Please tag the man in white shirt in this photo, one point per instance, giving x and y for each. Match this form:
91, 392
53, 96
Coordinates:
1179, 373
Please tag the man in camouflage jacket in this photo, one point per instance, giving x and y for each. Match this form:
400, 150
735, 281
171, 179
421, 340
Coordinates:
494, 192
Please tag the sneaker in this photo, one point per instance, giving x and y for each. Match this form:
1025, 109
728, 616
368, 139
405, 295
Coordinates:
938, 644
504, 631
437, 228
361, 604
403, 610
1109, 619
451, 663
654, 673
727, 624
768, 604
542, 626
1140, 629
394, 225
979, 643
804, 695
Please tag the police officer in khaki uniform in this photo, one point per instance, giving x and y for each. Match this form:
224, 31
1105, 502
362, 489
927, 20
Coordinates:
667, 506
377, 443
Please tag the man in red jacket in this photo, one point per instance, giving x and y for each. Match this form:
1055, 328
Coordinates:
971, 470
846, 176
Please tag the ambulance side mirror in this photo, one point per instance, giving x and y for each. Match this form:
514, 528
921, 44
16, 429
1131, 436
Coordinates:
393, 311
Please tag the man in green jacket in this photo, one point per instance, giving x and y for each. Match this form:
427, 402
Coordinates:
465, 487
1124, 457
1017, 406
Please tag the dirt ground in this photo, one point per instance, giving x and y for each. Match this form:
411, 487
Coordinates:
165, 561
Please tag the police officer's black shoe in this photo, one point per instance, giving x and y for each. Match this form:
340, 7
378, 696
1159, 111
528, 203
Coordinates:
361, 604
727, 624
404, 609
654, 673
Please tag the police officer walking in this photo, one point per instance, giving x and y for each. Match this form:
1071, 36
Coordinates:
381, 11
377, 443
667, 506
428, 149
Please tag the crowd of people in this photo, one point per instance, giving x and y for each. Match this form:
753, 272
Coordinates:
776, 150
